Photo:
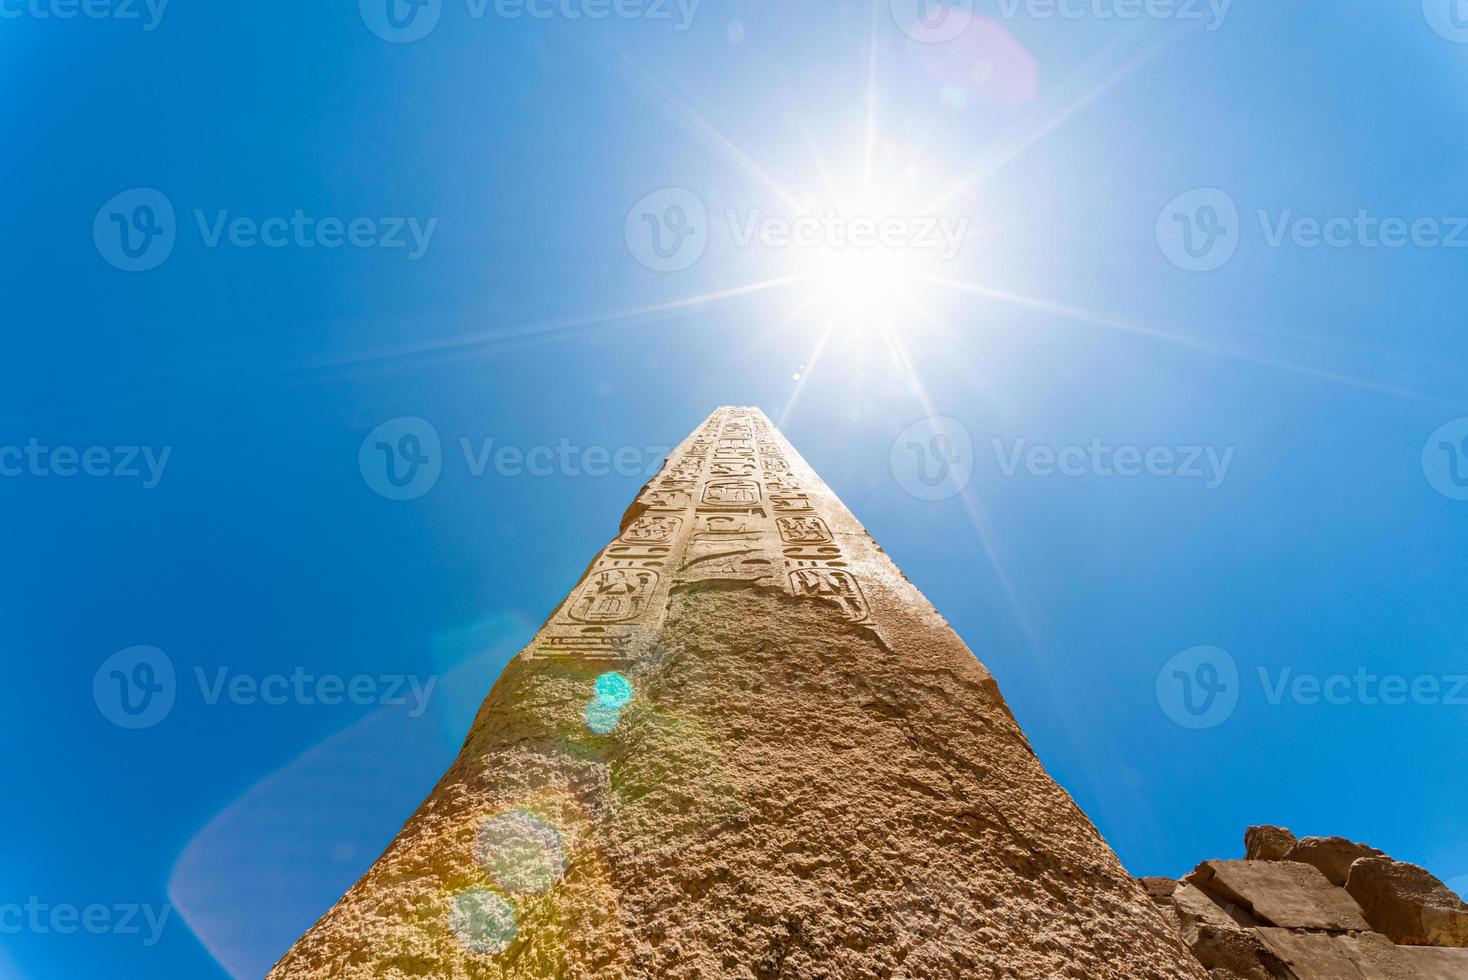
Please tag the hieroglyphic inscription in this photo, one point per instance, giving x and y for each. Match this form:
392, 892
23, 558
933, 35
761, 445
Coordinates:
815, 566
728, 506
732, 537
803, 530
624, 593
832, 585
735, 493
660, 528
613, 595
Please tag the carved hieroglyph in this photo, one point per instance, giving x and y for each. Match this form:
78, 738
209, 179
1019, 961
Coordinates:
744, 746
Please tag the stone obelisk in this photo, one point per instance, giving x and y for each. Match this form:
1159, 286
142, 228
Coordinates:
744, 746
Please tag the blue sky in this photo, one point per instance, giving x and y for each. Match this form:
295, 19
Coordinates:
1227, 229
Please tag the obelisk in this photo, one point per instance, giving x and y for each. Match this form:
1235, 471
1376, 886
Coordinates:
744, 746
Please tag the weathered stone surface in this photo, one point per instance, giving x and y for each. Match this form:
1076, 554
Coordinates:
1318, 956
1266, 843
1407, 903
1159, 889
1331, 855
1231, 952
1429, 962
1193, 905
1284, 894
745, 746
1364, 956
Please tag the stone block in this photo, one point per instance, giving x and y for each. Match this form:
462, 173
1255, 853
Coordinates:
1284, 894
1408, 904
1366, 956
1333, 856
1159, 889
1316, 956
1231, 952
1194, 905
1266, 843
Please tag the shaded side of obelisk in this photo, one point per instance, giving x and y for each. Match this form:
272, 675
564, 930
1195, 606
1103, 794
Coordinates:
744, 746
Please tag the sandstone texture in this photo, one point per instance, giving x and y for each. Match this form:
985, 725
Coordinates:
1267, 843
1332, 856
1285, 894
1407, 904
745, 746
1279, 915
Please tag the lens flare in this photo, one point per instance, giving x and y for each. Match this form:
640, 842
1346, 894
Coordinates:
601, 719
483, 920
522, 852
614, 690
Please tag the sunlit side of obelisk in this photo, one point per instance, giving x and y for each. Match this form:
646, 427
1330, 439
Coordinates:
744, 746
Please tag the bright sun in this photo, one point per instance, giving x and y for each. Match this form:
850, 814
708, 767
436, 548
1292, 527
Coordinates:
862, 287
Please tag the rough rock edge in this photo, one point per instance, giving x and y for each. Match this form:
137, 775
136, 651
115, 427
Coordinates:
1404, 905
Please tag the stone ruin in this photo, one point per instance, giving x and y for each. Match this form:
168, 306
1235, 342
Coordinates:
1316, 908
